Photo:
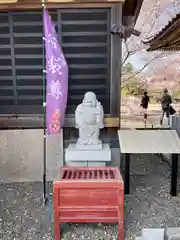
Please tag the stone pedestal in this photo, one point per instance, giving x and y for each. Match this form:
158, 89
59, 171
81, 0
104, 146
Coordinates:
86, 158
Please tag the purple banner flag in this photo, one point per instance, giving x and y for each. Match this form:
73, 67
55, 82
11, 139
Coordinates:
56, 78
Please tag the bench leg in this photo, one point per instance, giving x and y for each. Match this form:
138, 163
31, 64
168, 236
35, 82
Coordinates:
127, 173
120, 231
174, 171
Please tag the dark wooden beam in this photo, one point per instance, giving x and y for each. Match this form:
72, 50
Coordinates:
84, 1
116, 51
36, 4
37, 122
130, 12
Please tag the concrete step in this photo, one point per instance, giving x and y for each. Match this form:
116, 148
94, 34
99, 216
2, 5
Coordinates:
172, 233
153, 234
139, 238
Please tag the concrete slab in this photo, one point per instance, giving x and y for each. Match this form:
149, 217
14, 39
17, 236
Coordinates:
138, 238
153, 234
21, 155
72, 154
172, 233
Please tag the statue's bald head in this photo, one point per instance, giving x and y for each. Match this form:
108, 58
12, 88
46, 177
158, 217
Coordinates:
90, 99
90, 96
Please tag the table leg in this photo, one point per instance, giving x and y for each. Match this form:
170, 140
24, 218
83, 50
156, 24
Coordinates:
174, 171
127, 173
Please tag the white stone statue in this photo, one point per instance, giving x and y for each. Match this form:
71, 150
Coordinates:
89, 116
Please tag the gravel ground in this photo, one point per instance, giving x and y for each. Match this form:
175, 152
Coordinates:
23, 216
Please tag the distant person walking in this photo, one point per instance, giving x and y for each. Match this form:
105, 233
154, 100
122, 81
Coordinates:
166, 101
144, 104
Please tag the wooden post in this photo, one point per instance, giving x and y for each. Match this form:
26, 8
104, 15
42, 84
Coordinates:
116, 46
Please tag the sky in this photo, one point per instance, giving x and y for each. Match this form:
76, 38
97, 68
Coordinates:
136, 61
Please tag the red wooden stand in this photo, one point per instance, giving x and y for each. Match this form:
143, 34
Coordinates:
89, 195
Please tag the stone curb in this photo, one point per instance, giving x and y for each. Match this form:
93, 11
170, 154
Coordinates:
153, 233
172, 233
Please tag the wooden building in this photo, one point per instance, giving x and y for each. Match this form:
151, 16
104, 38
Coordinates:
92, 53
94, 59
168, 39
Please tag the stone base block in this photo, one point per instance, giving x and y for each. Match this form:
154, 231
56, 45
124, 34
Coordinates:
85, 164
96, 164
76, 163
89, 147
73, 154
153, 233
172, 233
91, 157
139, 238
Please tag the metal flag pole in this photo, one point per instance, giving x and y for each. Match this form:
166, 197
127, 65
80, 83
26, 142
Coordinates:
44, 112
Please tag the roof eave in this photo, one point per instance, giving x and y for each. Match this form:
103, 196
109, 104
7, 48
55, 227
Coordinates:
164, 31
164, 49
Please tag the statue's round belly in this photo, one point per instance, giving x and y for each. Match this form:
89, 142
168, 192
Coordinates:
90, 119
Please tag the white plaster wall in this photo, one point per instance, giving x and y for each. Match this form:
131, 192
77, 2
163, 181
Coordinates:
21, 155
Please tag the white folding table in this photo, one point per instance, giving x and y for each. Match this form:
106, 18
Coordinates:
150, 142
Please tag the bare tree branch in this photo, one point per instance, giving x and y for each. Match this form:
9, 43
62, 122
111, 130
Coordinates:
176, 5
149, 31
133, 45
129, 53
149, 62
155, 10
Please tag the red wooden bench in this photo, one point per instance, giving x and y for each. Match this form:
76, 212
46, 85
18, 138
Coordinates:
85, 195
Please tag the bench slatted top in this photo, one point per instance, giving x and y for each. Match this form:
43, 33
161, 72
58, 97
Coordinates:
149, 141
